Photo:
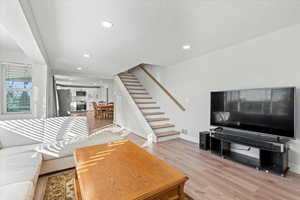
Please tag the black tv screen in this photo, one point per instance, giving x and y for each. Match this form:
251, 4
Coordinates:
265, 110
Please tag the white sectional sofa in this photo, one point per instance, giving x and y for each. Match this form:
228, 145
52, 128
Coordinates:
21, 158
19, 169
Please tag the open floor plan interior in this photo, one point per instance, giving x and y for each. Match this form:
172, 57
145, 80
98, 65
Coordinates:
149, 100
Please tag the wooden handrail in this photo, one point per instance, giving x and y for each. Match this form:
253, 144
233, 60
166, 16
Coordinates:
163, 88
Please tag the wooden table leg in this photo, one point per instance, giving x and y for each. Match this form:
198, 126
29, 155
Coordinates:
181, 192
77, 189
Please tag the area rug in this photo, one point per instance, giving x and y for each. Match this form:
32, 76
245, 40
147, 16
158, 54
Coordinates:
61, 187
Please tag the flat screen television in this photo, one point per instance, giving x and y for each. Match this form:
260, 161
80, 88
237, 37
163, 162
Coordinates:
265, 110
81, 93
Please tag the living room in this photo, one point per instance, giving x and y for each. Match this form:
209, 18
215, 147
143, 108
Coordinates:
149, 100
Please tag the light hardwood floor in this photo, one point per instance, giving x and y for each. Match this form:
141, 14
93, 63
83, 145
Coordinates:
94, 123
214, 178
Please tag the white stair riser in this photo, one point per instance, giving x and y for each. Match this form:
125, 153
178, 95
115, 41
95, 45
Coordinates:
157, 120
165, 138
164, 129
145, 100
159, 123
158, 114
150, 110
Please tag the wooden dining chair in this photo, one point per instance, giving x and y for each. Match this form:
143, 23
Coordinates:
111, 112
107, 111
97, 110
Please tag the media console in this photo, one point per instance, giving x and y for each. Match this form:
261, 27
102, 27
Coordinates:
273, 153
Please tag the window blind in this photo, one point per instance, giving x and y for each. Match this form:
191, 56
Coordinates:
18, 71
17, 88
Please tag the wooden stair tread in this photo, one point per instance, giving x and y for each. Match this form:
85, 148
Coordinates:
157, 119
133, 85
145, 102
146, 108
140, 93
127, 76
126, 73
161, 126
129, 79
131, 82
166, 133
153, 113
142, 97
142, 89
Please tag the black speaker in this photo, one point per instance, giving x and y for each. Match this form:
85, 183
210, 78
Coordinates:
204, 140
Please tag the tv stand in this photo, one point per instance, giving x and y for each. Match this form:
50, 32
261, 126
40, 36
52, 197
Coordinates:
273, 152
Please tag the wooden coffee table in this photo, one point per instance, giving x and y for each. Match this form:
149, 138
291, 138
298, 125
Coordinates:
123, 171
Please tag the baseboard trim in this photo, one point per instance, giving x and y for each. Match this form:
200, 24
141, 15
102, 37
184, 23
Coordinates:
55, 165
132, 131
294, 168
189, 138
57, 171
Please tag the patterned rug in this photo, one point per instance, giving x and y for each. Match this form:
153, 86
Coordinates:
61, 187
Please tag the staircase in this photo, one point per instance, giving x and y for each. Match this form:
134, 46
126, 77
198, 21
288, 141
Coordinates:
162, 128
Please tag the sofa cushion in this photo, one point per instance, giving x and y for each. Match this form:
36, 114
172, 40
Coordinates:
19, 167
32, 131
17, 149
63, 148
16, 133
17, 191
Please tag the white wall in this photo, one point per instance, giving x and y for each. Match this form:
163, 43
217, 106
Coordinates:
50, 96
271, 60
107, 83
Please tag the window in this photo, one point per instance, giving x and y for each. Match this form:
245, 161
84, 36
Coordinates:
17, 88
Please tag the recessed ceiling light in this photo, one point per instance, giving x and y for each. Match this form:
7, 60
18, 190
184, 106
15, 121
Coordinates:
106, 24
186, 47
86, 55
79, 68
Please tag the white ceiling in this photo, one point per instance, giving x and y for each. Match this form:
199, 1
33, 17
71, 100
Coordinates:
10, 51
150, 31
7, 43
12, 18
79, 80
